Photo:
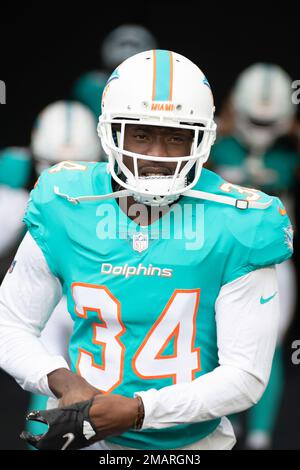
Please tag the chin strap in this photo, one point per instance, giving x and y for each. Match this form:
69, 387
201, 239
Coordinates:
231, 201
238, 203
98, 197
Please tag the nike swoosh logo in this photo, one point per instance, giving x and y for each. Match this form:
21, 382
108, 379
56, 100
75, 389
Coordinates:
70, 438
267, 299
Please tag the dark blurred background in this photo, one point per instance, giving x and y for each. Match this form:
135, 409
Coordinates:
40, 59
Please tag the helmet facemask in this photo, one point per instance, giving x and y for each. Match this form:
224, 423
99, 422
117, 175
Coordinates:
257, 133
155, 188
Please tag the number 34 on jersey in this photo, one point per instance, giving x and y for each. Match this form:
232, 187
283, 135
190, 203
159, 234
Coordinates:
176, 323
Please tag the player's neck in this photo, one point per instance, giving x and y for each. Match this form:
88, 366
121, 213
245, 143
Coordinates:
141, 214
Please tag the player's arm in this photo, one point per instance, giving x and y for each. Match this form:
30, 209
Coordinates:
12, 205
28, 295
247, 315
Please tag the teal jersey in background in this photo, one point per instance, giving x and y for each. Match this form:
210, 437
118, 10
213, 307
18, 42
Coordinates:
15, 167
143, 299
88, 89
273, 172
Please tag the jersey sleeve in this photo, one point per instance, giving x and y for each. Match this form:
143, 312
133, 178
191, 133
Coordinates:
47, 216
261, 238
36, 217
273, 243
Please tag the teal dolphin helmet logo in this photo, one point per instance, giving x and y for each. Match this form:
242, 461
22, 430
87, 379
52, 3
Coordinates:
206, 82
113, 76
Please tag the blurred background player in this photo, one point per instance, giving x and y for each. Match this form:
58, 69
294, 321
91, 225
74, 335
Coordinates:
256, 149
15, 174
121, 43
64, 130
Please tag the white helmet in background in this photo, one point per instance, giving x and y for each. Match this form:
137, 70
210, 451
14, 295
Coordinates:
123, 42
159, 88
64, 130
261, 100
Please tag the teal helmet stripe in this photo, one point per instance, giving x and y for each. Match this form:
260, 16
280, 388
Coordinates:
68, 123
266, 87
113, 76
162, 75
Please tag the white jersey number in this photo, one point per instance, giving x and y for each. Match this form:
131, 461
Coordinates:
176, 323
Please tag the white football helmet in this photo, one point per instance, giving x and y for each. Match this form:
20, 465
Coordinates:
123, 42
64, 130
158, 88
262, 104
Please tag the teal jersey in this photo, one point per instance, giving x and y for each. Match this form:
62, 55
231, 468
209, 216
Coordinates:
143, 298
273, 172
88, 89
15, 167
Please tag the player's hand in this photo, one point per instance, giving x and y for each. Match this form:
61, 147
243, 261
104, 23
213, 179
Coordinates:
81, 424
69, 387
82, 392
112, 415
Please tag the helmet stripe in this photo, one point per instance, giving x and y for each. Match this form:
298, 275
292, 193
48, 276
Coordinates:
267, 81
171, 76
154, 76
162, 87
68, 123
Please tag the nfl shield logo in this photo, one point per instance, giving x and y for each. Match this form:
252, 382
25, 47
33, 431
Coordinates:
140, 241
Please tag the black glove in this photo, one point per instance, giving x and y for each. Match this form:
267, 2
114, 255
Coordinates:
69, 427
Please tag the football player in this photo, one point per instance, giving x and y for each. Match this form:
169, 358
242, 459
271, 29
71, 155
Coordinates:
257, 152
15, 173
168, 271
